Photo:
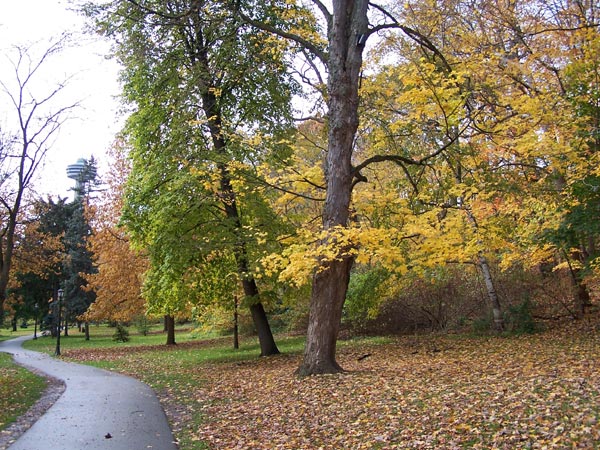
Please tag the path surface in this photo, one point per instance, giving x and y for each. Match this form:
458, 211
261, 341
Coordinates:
98, 410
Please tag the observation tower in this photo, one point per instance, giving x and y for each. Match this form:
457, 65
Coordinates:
82, 172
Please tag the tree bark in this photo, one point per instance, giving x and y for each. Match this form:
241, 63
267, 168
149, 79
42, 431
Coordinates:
492, 294
266, 340
170, 321
488, 279
330, 281
236, 337
86, 328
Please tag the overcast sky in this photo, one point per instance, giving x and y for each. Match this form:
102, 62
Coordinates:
93, 126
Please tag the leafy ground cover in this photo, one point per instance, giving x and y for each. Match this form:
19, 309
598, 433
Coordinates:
424, 392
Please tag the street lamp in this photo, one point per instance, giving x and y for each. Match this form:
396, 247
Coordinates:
60, 297
35, 308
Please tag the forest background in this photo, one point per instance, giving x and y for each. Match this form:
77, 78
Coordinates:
343, 168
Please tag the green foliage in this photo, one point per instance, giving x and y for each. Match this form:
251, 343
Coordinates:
482, 325
364, 293
519, 319
121, 334
142, 324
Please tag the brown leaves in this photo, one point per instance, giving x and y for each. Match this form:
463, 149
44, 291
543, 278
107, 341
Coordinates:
479, 394
537, 391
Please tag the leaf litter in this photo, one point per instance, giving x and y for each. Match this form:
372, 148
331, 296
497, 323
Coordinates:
417, 392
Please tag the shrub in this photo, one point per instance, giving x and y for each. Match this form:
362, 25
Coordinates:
121, 334
519, 319
142, 325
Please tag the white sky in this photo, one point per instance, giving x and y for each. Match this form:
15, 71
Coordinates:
92, 129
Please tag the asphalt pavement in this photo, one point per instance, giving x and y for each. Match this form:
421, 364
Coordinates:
99, 409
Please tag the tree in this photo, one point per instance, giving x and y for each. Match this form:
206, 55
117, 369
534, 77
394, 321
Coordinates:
192, 71
491, 84
22, 149
78, 259
37, 260
118, 281
341, 52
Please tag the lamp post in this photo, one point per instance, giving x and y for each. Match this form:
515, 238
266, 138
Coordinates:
60, 297
35, 308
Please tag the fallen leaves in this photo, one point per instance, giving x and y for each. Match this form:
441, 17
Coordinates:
537, 392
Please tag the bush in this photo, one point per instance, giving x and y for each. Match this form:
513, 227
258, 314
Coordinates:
121, 334
142, 325
519, 319
482, 325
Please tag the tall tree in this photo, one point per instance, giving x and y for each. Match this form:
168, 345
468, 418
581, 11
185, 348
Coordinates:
193, 73
118, 281
339, 49
24, 145
78, 260
38, 259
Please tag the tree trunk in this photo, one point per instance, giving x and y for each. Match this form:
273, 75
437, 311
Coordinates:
330, 281
228, 199
582, 298
86, 328
487, 277
236, 336
329, 293
13, 322
492, 294
170, 321
267, 343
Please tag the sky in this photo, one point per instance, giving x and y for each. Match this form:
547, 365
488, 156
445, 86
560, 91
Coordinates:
91, 129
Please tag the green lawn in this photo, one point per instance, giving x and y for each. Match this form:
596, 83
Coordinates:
19, 389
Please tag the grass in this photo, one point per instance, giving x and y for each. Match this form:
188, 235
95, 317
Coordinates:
101, 336
7, 333
19, 389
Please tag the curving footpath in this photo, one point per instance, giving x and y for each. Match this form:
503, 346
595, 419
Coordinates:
98, 410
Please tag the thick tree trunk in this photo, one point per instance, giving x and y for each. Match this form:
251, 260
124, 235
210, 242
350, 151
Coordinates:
170, 321
329, 293
86, 328
330, 281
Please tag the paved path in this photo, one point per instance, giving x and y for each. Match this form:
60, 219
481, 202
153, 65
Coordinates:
98, 410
